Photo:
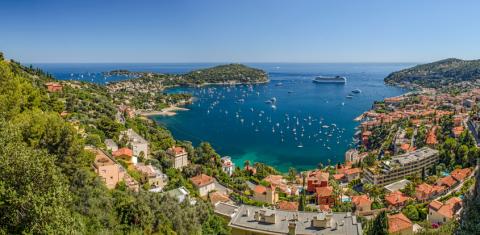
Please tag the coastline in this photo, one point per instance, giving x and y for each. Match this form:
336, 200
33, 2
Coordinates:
169, 111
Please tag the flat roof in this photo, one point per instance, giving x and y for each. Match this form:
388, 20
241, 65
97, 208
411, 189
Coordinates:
303, 224
395, 186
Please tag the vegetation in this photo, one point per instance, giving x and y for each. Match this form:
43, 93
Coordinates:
437, 74
47, 185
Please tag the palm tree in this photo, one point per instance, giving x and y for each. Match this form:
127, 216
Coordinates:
246, 163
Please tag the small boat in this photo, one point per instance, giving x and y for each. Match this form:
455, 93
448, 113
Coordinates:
300, 145
279, 84
349, 96
356, 91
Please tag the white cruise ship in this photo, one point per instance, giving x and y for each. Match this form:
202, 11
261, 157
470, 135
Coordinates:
336, 79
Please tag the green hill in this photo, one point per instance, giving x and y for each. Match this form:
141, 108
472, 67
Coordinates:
436, 74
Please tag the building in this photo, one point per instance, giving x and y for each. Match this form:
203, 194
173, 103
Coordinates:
225, 210
107, 169
178, 156
400, 166
316, 179
265, 194
425, 191
396, 200
54, 86
126, 155
227, 165
181, 194
111, 145
362, 203
216, 197
399, 224
352, 174
439, 213
287, 206
263, 221
153, 176
138, 143
203, 183
325, 196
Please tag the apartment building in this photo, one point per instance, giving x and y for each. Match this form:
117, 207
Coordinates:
401, 166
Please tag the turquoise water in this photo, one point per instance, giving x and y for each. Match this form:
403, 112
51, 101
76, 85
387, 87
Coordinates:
310, 123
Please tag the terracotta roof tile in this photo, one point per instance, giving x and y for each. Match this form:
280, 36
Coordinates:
201, 180
398, 222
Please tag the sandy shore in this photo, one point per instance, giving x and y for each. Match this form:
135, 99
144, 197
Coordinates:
170, 111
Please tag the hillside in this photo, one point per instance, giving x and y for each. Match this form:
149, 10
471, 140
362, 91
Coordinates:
436, 74
47, 182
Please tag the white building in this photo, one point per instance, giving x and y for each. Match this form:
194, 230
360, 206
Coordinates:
138, 143
227, 165
204, 184
178, 156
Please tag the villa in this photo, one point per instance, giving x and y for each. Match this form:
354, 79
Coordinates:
316, 179
439, 213
399, 224
227, 165
396, 200
178, 156
153, 176
107, 169
362, 203
138, 143
126, 155
265, 194
203, 183
54, 86
425, 191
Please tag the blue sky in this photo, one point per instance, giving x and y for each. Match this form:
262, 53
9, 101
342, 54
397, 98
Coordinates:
239, 31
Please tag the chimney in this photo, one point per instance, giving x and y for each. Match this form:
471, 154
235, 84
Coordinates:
292, 227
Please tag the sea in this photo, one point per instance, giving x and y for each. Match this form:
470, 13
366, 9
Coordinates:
288, 122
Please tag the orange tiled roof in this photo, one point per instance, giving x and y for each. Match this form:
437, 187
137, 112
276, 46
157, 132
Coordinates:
288, 206
177, 150
435, 205
448, 181
218, 197
453, 201
432, 137
122, 152
338, 176
260, 189
396, 197
353, 171
201, 180
324, 191
398, 222
460, 174
361, 200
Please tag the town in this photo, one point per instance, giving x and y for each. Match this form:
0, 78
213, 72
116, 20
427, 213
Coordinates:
415, 160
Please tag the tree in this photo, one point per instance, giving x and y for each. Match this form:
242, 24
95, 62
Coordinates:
292, 174
34, 194
369, 160
301, 203
379, 225
411, 212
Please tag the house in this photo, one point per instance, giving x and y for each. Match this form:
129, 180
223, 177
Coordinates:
138, 143
396, 200
153, 176
107, 169
111, 145
203, 183
227, 165
425, 191
265, 194
447, 181
316, 179
181, 194
325, 196
279, 182
460, 174
362, 203
178, 156
126, 155
439, 213
216, 197
287, 206
399, 224
54, 86
352, 174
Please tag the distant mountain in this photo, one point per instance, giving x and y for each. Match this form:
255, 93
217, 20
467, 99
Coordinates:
437, 74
